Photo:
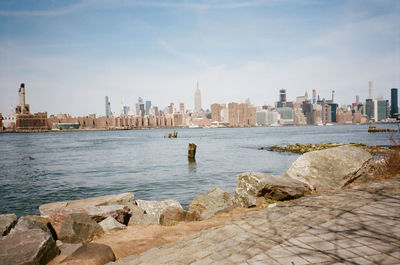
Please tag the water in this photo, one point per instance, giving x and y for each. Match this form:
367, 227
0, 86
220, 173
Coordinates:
38, 168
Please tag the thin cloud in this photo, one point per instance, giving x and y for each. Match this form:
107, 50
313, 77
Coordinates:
228, 4
45, 13
189, 56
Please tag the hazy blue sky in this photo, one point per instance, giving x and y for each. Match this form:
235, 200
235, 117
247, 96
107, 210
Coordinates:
70, 54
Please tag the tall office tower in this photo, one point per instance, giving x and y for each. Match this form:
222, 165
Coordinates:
357, 100
148, 106
394, 109
380, 109
314, 96
216, 112
282, 95
370, 89
182, 107
108, 109
197, 99
369, 108
333, 96
171, 108
140, 101
233, 109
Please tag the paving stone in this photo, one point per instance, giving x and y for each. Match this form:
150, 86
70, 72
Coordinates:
292, 260
383, 259
365, 251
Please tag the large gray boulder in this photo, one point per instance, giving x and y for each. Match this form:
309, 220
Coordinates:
29, 247
140, 217
98, 208
173, 215
7, 221
254, 185
29, 222
212, 202
118, 199
331, 168
110, 223
78, 227
90, 254
154, 209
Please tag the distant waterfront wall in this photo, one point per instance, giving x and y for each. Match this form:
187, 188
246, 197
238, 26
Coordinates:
32, 122
103, 123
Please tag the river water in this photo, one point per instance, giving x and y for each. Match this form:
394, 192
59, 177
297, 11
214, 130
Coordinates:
37, 168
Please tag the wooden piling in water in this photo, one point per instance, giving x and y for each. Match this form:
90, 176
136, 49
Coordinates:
192, 152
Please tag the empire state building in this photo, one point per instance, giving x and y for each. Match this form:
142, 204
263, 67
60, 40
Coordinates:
197, 100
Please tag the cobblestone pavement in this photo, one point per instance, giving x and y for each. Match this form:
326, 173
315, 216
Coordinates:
350, 226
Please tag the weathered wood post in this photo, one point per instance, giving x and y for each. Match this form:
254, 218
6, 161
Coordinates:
192, 152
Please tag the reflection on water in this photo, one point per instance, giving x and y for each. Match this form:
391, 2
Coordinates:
39, 168
192, 166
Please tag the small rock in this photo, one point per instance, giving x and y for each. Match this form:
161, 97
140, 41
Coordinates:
110, 223
90, 254
29, 247
172, 215
78, 227
156, 208
7, 221
212, 202
139, 216
253, 185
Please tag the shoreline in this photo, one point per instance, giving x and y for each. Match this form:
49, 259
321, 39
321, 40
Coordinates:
187, 127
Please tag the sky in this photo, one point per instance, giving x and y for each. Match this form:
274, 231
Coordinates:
72, 53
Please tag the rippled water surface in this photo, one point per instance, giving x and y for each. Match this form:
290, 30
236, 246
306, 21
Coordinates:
38, 168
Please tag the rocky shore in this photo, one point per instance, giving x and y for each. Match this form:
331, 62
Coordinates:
64, 231
304, 148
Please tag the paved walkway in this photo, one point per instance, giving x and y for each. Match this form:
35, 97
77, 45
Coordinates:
350, 226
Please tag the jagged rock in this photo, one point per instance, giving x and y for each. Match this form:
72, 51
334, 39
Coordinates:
208, 204
90, 254
119, 199
172, 215
29, 222
98, 213
331, 168
78, 227
139, 216
7, 221
29, 247
254, 185
144, 219
110, 223
156, 208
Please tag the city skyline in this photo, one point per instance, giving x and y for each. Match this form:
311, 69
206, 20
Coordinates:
72, 54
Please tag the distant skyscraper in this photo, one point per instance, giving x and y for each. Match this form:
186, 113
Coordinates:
181, 107
333, 96
148, 106
197, 99
369, 108
314, 96
140, 101
108, 109
282, 95
357, 100
394, 109
380, 109
370, 89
